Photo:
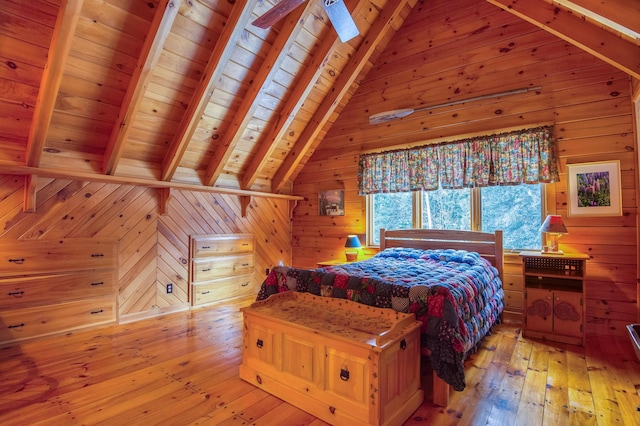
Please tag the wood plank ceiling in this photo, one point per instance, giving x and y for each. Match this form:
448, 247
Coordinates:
188, 93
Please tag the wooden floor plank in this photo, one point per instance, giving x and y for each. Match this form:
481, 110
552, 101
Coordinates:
182, 369
580, 395
531, 407
556, 402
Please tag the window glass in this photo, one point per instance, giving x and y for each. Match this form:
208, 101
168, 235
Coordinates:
446, 209
390, 211
517, 211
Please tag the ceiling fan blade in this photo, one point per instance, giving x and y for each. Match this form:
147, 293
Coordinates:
341, 19
276, 13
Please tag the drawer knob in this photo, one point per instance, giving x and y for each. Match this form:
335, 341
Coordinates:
344, 374
206, 247
98, 311
245, 264
16, 293
403, 344
206, 292
206, 269
258, 379
98, 283
15, 326
245, 284
97, 255
17, 261
259, 343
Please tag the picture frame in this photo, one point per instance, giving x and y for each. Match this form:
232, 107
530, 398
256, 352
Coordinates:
331, 202
593, 189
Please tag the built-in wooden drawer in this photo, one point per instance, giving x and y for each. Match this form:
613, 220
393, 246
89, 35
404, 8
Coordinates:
223, 288
24, 292
513, 282
513, 300
222, 266
21, 324
38, 257
212, 245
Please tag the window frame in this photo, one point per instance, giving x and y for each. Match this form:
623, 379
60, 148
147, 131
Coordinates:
475, 199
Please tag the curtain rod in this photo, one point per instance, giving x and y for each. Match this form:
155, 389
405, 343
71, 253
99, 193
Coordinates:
454, 138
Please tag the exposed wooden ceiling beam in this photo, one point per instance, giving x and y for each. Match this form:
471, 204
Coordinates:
621, 12
268, 70
220, 55
301, 89
13, 169
597, 19
149, 55
374, 37
593, 39
61, 40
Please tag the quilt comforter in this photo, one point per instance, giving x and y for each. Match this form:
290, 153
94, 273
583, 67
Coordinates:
457, 295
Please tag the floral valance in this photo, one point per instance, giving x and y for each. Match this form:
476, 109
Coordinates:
524, 156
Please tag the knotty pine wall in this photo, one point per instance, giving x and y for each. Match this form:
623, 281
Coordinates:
449, 50
153, 248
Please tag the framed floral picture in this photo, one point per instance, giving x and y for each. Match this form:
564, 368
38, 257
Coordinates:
593, 189
331, 202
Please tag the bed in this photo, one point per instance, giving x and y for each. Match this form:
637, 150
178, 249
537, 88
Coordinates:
451, 280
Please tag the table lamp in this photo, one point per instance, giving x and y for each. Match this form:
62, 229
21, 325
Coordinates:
352, 247
554, 227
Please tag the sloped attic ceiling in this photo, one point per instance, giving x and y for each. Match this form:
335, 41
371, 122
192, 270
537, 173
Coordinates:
188, 93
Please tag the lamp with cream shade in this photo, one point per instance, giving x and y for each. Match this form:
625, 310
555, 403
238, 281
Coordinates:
554, 227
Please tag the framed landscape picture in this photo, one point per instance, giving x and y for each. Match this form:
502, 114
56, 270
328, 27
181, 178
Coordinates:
593, 189
331, 202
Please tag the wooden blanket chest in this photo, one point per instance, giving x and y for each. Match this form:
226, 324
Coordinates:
344, 362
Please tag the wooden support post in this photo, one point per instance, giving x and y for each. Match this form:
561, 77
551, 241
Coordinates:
245, 200
29, 203
440, 391
164, 195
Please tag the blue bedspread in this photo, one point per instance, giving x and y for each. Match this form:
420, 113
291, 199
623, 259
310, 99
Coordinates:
457, 295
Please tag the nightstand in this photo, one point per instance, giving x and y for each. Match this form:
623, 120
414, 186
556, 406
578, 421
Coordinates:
554, 293
332, 262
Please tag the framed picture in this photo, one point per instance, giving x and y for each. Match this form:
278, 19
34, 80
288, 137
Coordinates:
593, 189
331, 202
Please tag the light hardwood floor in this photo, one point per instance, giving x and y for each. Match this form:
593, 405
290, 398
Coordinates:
182, 369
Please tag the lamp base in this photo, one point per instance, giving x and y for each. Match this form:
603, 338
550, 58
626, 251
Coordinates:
551, 253
351, 256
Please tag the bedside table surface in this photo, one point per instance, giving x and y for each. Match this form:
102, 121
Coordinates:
333, 262
535, 253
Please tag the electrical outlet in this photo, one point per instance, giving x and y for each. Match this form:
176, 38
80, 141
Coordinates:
169, 288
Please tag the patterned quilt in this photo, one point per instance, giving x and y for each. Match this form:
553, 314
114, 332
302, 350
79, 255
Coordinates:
457, 295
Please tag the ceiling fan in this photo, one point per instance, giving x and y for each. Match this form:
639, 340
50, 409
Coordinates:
336, 11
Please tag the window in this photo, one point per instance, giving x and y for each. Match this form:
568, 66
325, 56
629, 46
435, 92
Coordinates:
391, 211
446, 209
516, 210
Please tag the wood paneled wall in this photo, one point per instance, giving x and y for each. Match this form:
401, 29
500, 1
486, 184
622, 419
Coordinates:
153, 248
451, 50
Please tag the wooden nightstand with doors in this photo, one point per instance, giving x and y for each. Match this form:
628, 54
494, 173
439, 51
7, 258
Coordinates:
554, 291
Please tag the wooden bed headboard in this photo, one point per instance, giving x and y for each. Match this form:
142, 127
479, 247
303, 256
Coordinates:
488, 245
